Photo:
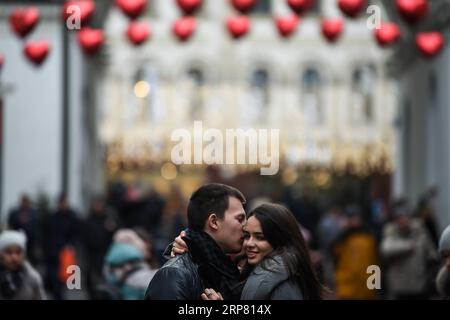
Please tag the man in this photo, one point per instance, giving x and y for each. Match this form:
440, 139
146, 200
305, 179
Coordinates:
443, 277
408, 252
216, 218
61, 232
24, 217
18, 279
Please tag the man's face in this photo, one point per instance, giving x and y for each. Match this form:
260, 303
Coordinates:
229, 235
12, 257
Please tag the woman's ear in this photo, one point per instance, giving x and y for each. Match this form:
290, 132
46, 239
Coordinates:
212, 222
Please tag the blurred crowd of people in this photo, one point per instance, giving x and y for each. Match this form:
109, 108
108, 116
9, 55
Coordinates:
121, 242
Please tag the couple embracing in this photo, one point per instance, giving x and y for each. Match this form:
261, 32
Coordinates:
226, 254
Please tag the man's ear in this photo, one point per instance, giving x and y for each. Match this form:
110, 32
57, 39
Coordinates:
212, 222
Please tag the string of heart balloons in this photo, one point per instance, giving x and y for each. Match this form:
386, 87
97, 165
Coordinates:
24, 20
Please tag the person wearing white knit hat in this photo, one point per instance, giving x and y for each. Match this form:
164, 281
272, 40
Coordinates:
18, 279
443, 277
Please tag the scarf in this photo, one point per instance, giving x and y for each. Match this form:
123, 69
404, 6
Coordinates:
216, 269
10, 282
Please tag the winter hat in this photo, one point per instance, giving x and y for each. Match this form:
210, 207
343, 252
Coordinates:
444, 242
121, 253
12, 238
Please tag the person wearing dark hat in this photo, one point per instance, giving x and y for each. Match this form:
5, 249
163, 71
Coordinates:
408, 251
443, 277
18, 279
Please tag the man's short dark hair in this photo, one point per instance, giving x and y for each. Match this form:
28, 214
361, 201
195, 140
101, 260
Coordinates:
208, 199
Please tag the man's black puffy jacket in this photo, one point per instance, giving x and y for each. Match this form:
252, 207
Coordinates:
186, 276
178, 279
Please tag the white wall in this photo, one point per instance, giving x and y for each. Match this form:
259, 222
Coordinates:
33, 117
425, 160
32, 113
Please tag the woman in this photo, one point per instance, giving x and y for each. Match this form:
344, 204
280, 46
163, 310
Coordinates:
18, 279
278, 262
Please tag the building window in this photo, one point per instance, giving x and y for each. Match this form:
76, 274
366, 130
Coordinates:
262, 7
195, 81
311, 97
363, 85
259, 93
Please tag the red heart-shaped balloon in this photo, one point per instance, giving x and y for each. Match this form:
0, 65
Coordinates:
287, 25
412, 10
132, 8
351, 8
238, 26
37, 51
300, 6
429, 43
332, 28
189, 6
184, 27
138, 32
243, 6
91, 39
387, 34
23, 21
85, 7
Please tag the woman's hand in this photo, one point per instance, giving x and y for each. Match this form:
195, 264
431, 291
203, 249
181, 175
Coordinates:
211, 294
179, 246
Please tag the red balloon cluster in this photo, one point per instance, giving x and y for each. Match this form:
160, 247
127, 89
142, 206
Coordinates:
238, 26
23, 21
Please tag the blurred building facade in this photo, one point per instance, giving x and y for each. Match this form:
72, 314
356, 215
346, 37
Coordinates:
333, 103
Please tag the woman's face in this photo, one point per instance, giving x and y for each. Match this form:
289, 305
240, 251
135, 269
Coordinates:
255, 244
